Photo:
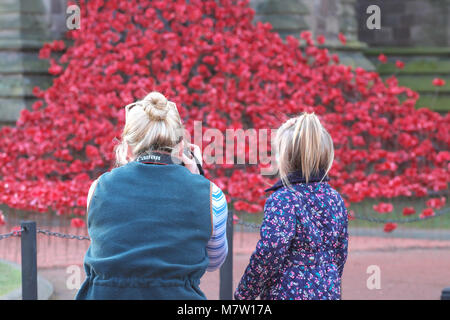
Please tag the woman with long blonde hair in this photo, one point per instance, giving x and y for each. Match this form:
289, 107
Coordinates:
303, 245
156, 224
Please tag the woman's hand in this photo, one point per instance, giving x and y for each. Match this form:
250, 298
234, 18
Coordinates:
196, 151
189, 161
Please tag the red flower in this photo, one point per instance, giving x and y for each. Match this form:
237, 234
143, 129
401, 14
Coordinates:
2, 219
37, 92
342, 38
438, 82
428, 212
383, 207
436, 203
58, 45
306, 35
54, 69
209, 60
382, 58
241, 206
358, 141
443, 156
407, 211
389, 227
91, 151
77, 223
320, 39
399, 64
335, 58
235, 219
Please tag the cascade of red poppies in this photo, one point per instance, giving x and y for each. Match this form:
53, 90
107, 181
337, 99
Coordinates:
223, 70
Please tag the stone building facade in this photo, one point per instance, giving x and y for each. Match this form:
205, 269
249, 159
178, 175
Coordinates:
407, 23
326, 17
416, 31
25, 25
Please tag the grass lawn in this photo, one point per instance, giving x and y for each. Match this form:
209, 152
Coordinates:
10, 278
365, 209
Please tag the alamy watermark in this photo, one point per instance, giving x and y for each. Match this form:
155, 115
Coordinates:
374, 280
374, 20
235, 146
73, 20
73, 281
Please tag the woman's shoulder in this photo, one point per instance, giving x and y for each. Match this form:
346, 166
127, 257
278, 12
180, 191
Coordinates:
298, 194
217, 195
100, 177
284, 197
215, 190
335, 194
114, 171
218, 200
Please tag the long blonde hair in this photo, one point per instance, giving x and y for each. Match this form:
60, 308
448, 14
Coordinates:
303, 144
152, 123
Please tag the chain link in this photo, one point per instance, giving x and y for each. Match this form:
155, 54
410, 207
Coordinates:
62, 235
15, 233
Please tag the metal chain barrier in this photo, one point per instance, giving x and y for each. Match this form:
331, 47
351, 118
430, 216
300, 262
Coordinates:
366, 218
15, 233
404, 220
250, 225
62, 235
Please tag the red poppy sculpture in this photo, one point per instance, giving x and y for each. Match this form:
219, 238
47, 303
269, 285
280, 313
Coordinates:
223, 70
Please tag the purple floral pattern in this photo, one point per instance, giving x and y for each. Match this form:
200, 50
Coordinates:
303, 246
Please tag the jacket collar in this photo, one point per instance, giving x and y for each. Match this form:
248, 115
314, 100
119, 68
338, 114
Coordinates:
156, 157
297, 177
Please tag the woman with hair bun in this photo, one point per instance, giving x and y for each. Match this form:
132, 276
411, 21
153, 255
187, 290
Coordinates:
304, 237
156, 223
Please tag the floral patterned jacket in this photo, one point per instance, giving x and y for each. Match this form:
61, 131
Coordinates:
303, 246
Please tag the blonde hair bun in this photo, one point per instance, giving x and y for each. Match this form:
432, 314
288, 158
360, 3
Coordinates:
156, 106
154, 124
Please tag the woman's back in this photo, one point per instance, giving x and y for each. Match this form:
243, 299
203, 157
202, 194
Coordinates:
303, 246
318, 249
321, 215
149, 227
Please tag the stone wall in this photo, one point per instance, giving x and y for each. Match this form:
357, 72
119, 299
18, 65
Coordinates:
416, 32
25, 25
407, 23
321, 17
325, 17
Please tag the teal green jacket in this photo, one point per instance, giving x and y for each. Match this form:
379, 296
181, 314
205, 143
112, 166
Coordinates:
149, 227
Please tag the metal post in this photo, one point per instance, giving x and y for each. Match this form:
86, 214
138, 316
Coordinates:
29, 260
226, 271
